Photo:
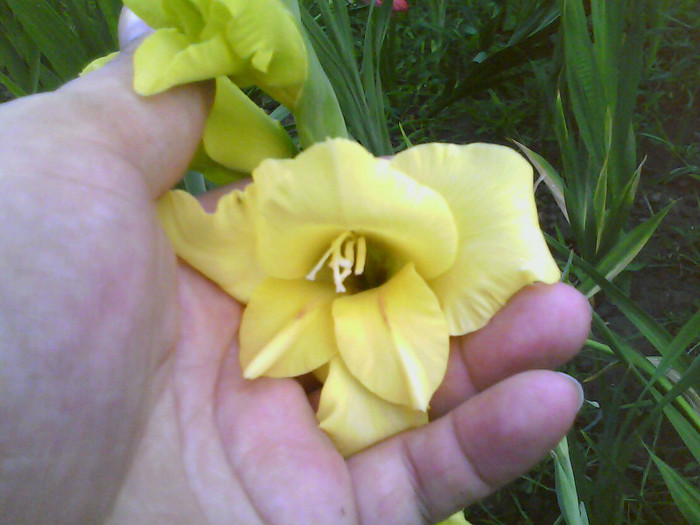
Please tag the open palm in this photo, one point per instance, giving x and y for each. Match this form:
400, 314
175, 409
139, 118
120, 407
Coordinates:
122, 396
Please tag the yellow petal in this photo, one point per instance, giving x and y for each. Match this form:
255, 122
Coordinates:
150, 12
336, 186
185, 15
240, 135
99, 63
266, 35
501, 247
220, 245
394, 339
321, 374
354, 418
287, 329
456, 519
168, 58
255, 43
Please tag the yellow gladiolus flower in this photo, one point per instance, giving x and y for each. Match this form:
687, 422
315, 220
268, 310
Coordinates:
358, 269
253, 43
240, 43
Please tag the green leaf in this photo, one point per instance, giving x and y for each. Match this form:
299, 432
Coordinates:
570, 505
686, 497
110, 12
688, 334
619, 211
600, 202
583, 77
52, 34
676, 366
13, 88
653, 331
93, 32
686, 431
624, 252
194, 183
375, 33
631, 356
547, 174
15, 48
689, 379
362, 104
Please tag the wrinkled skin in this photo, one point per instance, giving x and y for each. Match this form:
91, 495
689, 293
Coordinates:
121, 397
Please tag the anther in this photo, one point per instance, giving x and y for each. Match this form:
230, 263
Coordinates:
346, 251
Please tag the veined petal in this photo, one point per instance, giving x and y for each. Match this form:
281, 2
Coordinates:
394, 339
337, 186
287, 329
221, 245
501, 247
266, 35
354, 418
185, 15
240, 135
168, 58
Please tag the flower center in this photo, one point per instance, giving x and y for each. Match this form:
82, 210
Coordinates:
346, 256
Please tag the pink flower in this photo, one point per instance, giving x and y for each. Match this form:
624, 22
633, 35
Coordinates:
399, 5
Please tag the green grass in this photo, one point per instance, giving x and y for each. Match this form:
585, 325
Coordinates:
468, 70
43, 43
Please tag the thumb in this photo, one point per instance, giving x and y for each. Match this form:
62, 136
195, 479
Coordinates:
100, 117
131, 28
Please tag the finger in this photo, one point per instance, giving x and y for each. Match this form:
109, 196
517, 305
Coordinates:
425, 475
286, 464
210, 199
542, 326
98, 128
131, 27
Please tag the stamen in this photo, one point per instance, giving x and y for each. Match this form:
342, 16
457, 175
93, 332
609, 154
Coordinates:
361, 256
349, 252
337, 261
312, 274
343, 256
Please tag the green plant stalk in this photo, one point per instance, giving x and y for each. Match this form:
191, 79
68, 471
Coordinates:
317, 112
572, 508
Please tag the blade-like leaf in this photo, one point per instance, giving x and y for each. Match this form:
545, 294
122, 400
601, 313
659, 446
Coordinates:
555, 184
13, 88
571, 507
686, 431
686, 497
653, 331
52, 34
624, 252
583, 77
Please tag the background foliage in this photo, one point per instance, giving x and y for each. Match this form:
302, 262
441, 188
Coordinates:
603, 97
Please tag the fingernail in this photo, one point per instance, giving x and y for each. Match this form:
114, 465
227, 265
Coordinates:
579, 387
131, 27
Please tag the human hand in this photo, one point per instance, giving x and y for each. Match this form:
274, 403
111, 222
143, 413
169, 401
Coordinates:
121, 390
